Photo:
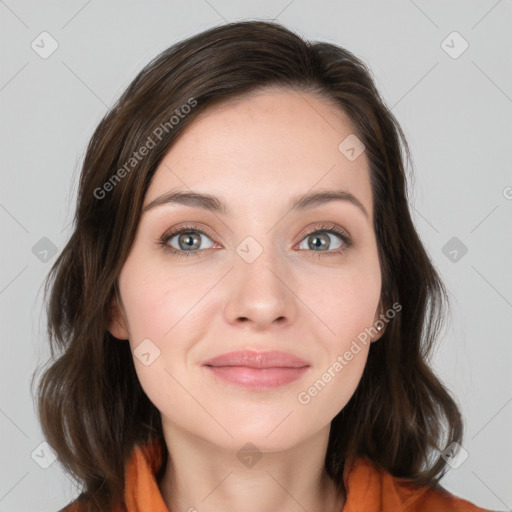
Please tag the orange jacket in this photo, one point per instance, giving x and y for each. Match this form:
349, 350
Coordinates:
369, 489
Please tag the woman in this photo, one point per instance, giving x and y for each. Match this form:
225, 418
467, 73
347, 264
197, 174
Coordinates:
244, 310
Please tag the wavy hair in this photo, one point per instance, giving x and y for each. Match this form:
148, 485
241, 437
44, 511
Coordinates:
90, 404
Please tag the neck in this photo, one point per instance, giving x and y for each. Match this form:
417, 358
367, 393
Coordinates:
201, 476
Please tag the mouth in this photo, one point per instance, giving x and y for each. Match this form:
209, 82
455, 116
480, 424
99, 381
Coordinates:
257, 370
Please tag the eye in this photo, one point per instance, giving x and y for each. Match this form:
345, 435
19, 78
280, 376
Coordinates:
187, 241
322, 240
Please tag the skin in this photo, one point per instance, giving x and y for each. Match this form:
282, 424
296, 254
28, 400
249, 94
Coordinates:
257, 153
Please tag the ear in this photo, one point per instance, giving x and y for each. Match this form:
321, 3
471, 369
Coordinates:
117, 325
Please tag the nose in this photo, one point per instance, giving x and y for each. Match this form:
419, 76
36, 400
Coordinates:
260, 293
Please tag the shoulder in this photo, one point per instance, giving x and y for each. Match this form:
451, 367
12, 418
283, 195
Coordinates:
373, 488
438, 499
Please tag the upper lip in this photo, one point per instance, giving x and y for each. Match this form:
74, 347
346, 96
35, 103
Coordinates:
254, 359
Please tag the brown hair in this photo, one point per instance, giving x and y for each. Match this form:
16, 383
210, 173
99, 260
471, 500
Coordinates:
90, 404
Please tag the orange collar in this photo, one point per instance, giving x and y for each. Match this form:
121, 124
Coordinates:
369, 488
141, 491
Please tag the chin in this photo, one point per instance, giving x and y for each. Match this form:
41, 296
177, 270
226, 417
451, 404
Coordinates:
271, 444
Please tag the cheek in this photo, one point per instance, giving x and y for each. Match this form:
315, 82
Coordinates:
157, 300
336, 382
159, 309
166, 316
330, 387
344, 302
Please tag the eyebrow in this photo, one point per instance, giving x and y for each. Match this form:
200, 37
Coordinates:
217, 205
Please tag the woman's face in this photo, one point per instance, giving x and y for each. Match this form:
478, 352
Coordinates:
259, 276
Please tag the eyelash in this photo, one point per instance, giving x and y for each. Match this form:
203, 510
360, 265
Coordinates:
325, 228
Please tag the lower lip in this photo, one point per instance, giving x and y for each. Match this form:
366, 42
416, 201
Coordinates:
257, 378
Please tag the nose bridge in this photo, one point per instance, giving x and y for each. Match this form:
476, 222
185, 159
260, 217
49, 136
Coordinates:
260, 292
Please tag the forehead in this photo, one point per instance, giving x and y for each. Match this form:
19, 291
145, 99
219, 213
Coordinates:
264, 148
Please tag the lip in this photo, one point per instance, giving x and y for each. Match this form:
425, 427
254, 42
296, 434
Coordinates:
257, 370
254, 359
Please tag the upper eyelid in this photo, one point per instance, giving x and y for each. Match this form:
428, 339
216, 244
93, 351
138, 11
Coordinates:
179, 230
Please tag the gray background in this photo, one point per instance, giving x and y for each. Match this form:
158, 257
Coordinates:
455, 113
